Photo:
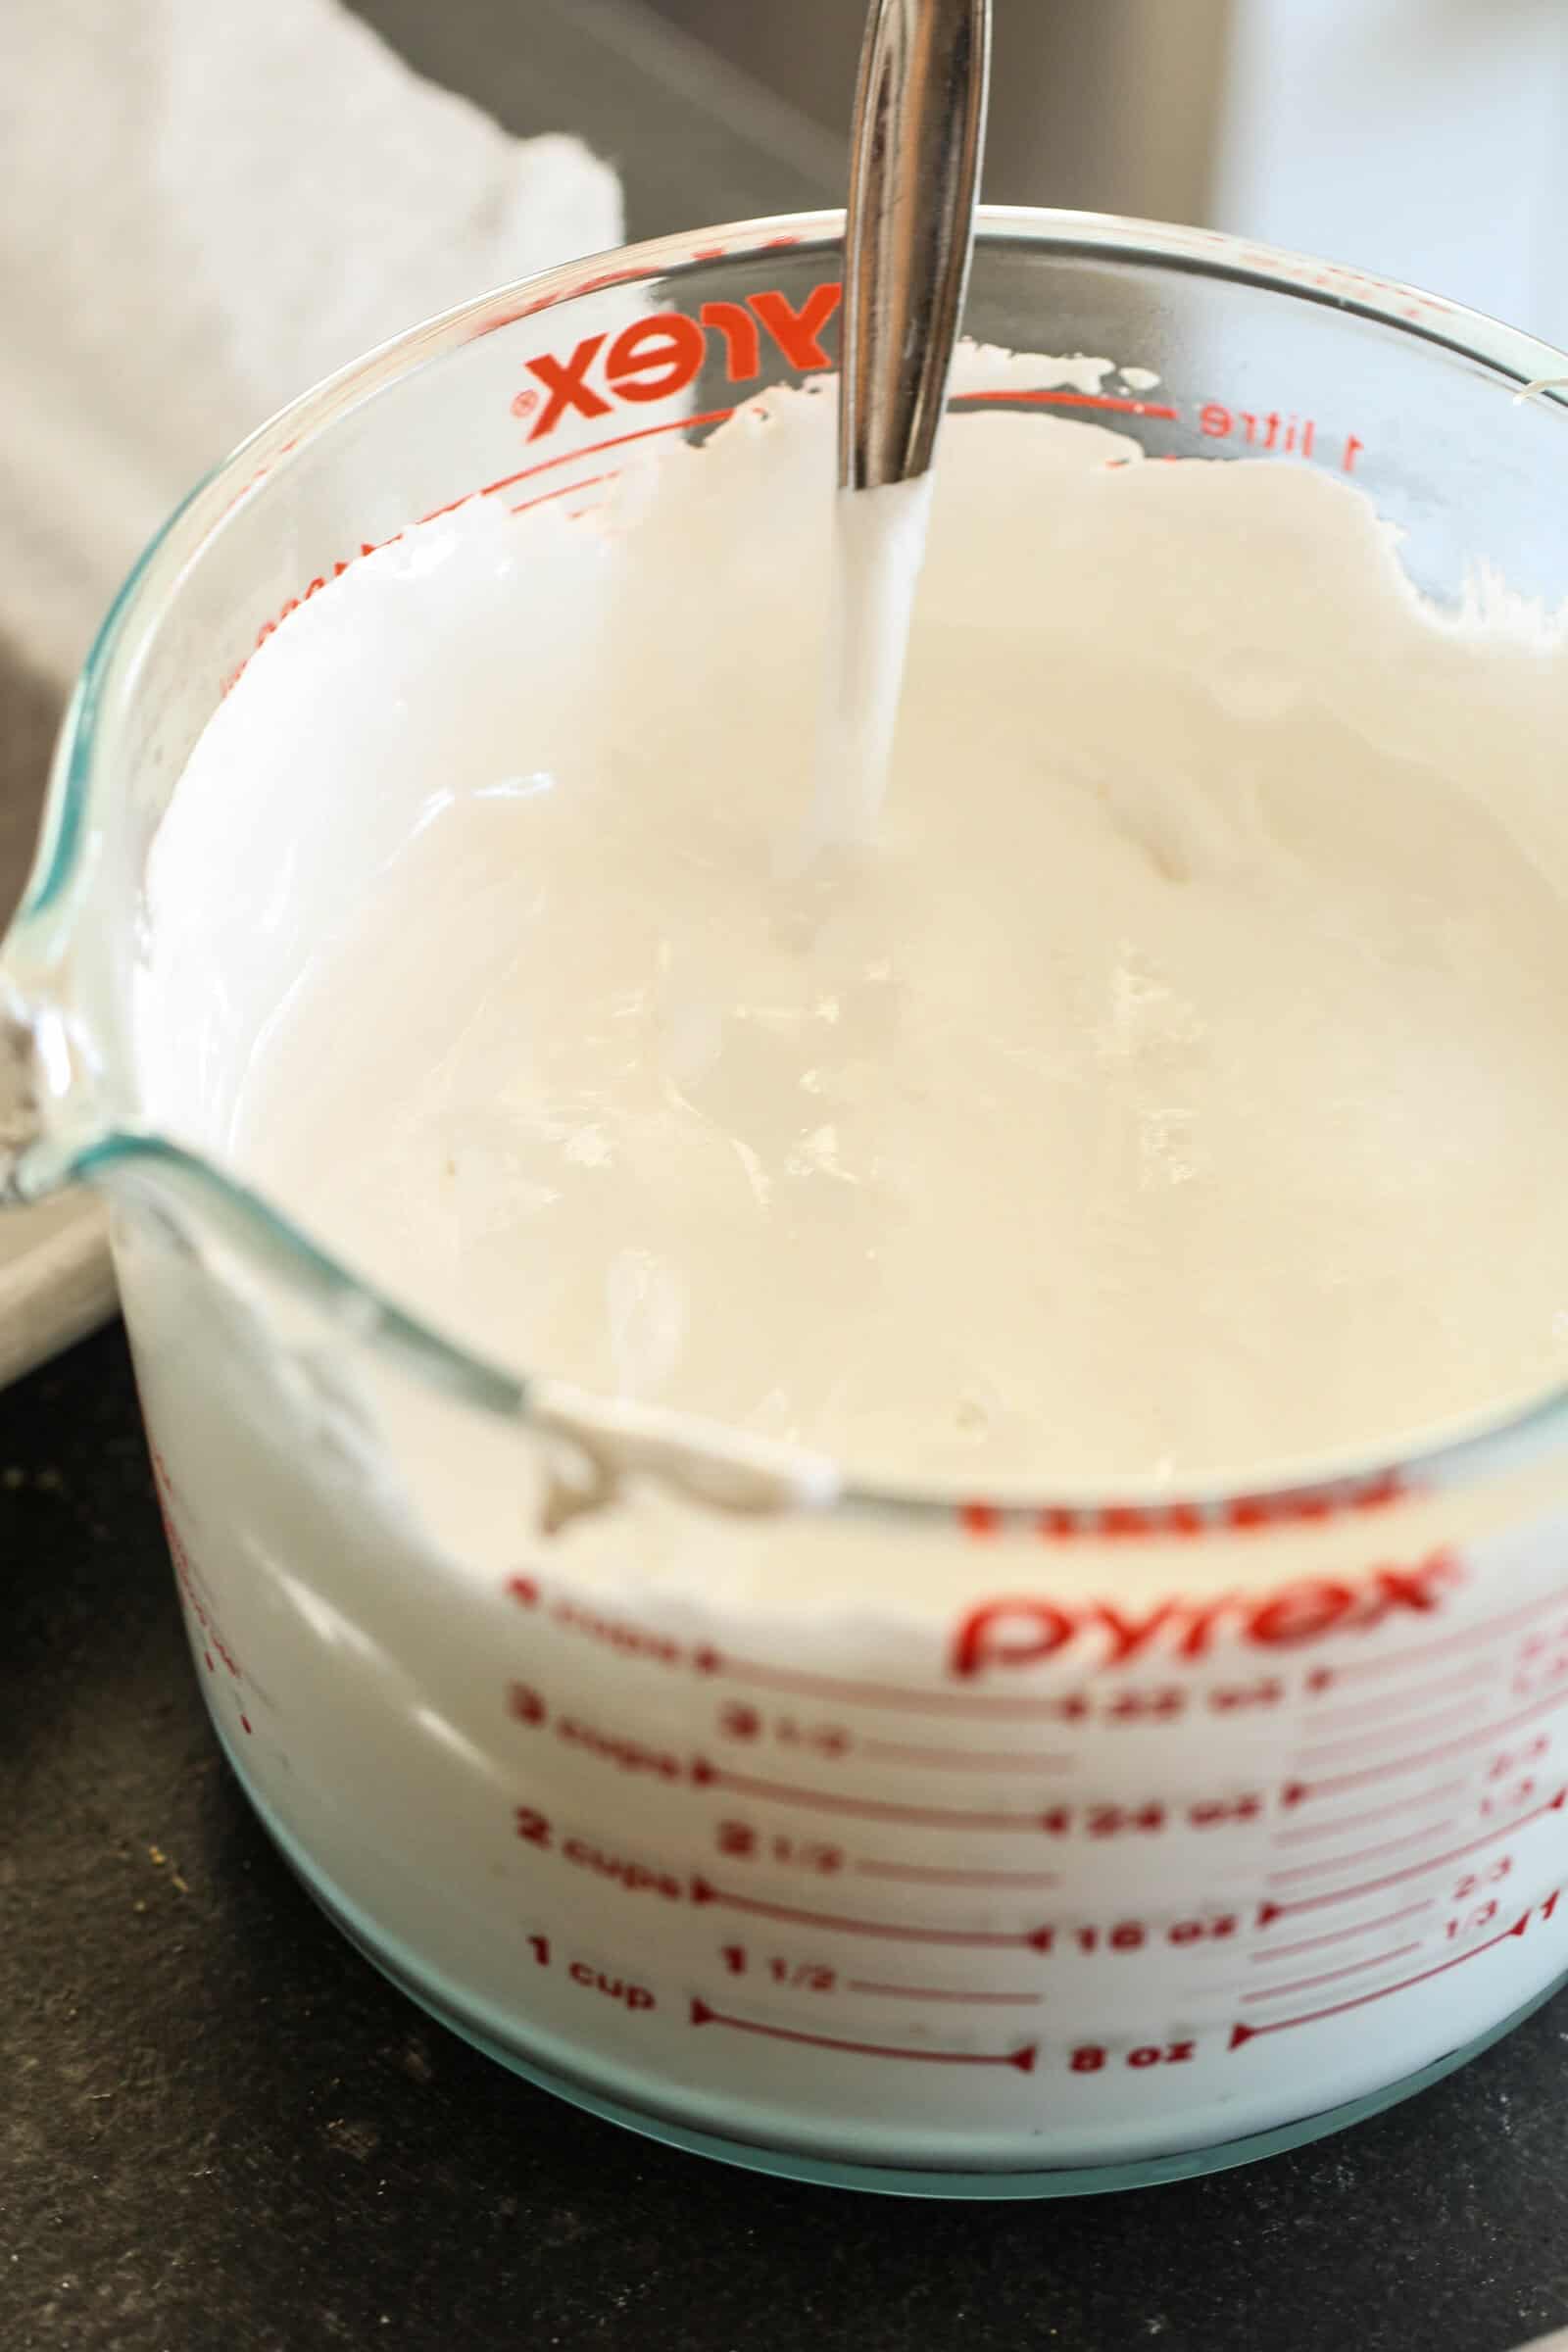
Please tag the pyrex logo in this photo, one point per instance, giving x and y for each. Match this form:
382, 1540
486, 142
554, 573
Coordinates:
1022, 1630
658, 356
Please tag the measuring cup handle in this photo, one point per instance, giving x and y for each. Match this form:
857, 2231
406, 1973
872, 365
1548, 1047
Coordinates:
22, 1122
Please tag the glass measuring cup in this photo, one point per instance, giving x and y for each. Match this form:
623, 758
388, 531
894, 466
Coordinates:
622, 1745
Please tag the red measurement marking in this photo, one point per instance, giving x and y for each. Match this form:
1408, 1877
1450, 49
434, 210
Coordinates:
883, 1694
1488, 1630
976, 1939
966, 1759
1367, 1853
245, 1723
1160, 1521
1024, 2060
575, 456
1378, 1709
1323, 1751
1067, 399
1320, 1943
1416, 1870
1361, 1821
816, 1800
567, 490
1282, 2025
1298, 1791
915, 1874
1356, 1968
937, 1992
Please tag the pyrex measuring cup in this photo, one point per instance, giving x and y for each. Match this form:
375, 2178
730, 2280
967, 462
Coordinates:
966, 1845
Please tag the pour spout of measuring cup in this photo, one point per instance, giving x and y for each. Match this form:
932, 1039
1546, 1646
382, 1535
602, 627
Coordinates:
594, 1452
21, 1121
46, 1079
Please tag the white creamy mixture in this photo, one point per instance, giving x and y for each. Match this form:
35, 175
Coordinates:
1175, 1083
1165, 1077
881, 537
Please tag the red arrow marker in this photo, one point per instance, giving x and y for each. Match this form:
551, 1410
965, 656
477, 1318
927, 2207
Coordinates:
1022, 2060
818, 1800
703, 1891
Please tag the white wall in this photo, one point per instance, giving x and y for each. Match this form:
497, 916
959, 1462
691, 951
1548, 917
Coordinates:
1104, 104
1425, 139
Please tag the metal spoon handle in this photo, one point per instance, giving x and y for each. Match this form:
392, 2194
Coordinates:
919, 130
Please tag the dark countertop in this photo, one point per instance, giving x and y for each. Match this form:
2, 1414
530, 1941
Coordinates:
219, 2128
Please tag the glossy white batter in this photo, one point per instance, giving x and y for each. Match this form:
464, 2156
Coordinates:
1176, 1083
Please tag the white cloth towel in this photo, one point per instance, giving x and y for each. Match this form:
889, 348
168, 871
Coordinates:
205, 206
209, 204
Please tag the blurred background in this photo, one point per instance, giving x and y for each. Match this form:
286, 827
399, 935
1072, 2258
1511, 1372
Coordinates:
1421, 137
214, 207
211, 241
